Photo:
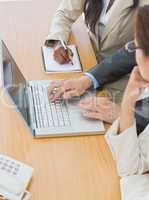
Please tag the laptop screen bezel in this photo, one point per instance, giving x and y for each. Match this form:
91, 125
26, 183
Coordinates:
2, 85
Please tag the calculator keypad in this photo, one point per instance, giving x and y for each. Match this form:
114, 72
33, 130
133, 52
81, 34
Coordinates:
9, 166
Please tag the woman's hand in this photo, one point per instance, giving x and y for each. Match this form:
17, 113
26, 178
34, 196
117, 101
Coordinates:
69, 88
61, 55
101, 108
135, 85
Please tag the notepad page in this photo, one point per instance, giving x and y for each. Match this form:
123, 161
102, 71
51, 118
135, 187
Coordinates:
52, 66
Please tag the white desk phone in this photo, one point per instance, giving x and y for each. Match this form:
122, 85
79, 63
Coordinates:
14, 179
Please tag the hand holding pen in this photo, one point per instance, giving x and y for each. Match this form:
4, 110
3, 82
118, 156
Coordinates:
69, 54
62, 53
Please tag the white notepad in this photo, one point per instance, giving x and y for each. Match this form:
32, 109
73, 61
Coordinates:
52, 66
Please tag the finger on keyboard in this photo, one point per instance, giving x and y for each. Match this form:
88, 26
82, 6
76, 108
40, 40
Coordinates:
58, 92
70, 94
52, 86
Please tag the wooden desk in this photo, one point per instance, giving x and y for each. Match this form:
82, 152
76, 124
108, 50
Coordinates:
72, 168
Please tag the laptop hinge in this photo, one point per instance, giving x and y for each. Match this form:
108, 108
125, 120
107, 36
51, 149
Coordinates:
31, 111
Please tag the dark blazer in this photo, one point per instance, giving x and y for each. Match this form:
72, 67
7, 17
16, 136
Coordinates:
114, 67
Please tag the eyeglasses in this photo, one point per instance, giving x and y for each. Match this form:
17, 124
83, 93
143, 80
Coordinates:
131, 47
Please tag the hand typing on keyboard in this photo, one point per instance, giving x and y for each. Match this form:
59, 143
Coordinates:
69, 88
47, 113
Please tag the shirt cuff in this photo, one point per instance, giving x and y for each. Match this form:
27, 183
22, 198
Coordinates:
50, 38
96, 84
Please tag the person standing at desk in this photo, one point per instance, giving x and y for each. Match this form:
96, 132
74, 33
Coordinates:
109, 23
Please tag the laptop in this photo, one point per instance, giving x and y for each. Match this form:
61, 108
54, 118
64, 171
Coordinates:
31, 99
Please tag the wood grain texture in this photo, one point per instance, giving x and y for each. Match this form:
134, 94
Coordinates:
72, 168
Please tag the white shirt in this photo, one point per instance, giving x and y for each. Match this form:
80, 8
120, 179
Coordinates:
105, 15
131, 153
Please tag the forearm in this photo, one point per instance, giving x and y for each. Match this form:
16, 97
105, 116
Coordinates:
114, 67
58, 31
60, 27
128, 149
67, 13
127, 116
123, 147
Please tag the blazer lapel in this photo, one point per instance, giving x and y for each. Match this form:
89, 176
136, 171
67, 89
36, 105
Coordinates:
120, 6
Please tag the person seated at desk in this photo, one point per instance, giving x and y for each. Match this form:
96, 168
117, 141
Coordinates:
108, 70
109, 23
131, 151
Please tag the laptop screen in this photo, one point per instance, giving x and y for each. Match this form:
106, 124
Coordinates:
14, 81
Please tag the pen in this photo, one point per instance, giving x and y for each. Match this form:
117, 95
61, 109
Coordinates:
66, 48
64, 45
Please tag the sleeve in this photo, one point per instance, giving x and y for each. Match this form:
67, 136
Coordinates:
95, 83
135, 187
129, 151
67, 13
143, 2
114, 67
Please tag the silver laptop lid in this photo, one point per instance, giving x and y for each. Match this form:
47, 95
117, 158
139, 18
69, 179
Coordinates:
13, 81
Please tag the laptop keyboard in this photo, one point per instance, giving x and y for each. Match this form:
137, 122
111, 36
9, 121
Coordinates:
49, 114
